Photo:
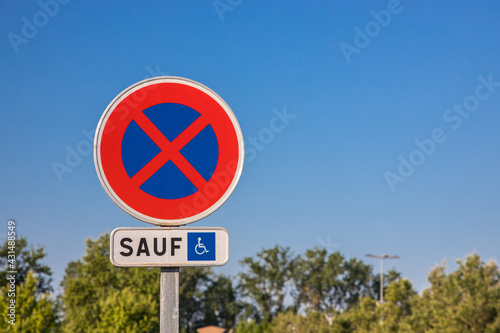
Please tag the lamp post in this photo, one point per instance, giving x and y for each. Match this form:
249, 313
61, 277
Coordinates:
382, 257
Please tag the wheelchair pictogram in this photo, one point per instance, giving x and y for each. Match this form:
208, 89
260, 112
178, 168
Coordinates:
200, 248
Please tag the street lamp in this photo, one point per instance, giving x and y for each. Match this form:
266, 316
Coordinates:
382, 257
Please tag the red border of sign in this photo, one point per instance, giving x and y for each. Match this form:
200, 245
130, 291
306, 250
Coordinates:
132, 102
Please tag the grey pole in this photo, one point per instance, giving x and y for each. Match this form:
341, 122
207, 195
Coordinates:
381, 280
169, 300
382, 257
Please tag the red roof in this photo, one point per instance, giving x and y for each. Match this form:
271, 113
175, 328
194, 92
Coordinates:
211, 329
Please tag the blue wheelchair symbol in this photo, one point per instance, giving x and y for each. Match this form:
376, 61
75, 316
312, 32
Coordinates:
201, 246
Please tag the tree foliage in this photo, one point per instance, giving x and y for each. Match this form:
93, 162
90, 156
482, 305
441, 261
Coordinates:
99, 297
35, 312
277, 292
266, 280
221, 303
389, 277
93, 289
332, 282
26, 305
466, 300
28, 258
318, 280
206, 299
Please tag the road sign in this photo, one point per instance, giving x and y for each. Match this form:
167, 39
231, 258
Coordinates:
169, 247
168, 151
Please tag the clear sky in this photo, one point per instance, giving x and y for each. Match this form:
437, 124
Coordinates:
390, 114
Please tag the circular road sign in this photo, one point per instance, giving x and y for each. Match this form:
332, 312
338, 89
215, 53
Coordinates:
168, 151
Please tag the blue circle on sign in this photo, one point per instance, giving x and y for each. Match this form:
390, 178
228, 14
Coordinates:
138, 149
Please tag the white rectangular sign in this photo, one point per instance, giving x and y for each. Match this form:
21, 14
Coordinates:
169, 247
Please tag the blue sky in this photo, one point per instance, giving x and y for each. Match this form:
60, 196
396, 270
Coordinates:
361, 83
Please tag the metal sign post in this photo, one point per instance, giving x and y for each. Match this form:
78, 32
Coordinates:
169, 300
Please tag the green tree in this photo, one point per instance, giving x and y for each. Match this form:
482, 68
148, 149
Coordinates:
221, 303
363, 317
396, 308
191, 287
126, 310
289, 321
318, 280
389, 278
99, 297
330, 281
312, 322
28, 258
466, 300
206, 299
370, 316
252, 326
35, 312
266, 280
355, 282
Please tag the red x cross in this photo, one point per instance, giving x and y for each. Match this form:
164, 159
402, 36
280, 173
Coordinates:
170, 151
